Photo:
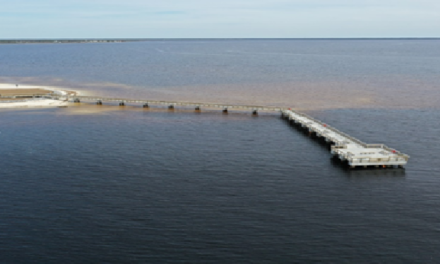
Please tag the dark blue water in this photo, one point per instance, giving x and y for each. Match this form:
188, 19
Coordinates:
104, 185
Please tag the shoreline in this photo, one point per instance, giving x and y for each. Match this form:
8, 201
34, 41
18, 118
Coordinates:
32, 96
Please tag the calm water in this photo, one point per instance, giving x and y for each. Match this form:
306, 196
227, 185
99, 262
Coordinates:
89, 184
305, 74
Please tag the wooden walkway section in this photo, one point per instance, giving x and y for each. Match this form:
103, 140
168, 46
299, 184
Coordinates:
172, 104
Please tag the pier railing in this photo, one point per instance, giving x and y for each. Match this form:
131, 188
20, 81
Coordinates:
331, 128
179, 103
346, 142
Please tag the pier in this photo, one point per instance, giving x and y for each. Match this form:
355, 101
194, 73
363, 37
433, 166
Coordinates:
346, 148
343, 147
172, 104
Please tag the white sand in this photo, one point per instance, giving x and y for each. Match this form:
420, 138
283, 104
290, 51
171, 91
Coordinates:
33, 103
36, 102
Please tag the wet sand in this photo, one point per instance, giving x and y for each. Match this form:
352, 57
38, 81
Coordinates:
318, 95
23, 92
22, 97
8, 89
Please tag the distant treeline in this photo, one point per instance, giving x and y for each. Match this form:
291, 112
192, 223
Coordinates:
20, 41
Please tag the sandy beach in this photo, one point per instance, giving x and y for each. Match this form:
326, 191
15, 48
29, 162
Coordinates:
5, 87
13, 96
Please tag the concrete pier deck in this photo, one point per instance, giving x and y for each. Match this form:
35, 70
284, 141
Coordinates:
346, 148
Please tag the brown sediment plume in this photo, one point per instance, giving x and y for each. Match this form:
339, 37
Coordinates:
93, 109
395, 92
318, 95
310, 96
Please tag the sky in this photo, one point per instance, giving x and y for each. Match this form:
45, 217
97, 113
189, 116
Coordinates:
219, 19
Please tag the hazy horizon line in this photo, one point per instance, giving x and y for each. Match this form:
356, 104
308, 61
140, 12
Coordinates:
262, 38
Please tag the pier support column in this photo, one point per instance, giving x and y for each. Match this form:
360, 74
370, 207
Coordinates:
146, 106
291, 122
